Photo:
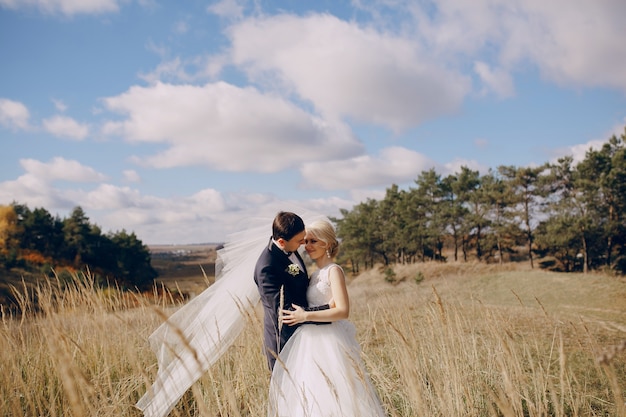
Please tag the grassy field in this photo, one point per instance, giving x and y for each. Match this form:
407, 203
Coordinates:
441, 340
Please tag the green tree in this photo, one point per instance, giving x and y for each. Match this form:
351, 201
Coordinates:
133, 260
600, 177
466, 188
528, 192
453, 211
496, 196
360, 234
429, 195
391, 224
563, 234
42, 233
77, 231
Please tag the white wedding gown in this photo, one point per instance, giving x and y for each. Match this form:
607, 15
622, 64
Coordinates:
320, 372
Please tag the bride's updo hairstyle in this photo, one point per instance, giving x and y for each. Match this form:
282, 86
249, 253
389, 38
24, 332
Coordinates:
325, 232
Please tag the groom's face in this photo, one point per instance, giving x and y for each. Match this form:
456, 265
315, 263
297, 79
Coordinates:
294, 243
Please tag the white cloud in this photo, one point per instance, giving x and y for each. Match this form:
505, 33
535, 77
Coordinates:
61, 169
363, 194
110, 197
65, 7
579, 42
59, 105
226, 8
35, 187
13, 114
167, 70
496, 80
209, 199
34, 191
394, 165
65, 127
454, 166
131, 176
572, 42
206, 215
202, 217
578, 152
348, 71
226, 128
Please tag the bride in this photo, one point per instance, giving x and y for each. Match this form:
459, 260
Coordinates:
319, 371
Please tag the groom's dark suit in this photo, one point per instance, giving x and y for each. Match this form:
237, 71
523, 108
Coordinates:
272, 272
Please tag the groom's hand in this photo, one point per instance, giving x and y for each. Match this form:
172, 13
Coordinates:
300, 315
295, 316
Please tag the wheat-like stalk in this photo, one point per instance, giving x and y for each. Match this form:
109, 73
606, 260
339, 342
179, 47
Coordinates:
281, 306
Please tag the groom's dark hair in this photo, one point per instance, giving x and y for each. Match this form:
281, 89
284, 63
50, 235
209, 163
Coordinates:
286, 225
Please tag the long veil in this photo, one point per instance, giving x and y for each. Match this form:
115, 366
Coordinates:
198, 334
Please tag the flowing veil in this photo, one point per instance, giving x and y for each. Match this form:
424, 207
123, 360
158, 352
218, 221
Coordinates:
198, 334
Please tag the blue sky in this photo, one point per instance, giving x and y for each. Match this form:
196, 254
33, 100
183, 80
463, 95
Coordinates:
179, 120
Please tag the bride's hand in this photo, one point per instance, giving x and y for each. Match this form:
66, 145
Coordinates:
293, 317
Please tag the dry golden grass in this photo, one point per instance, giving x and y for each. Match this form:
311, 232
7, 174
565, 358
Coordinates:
467, 340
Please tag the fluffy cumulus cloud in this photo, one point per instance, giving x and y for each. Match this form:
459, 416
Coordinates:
35, 192
129, 206
394, 165
61, 169
227, 128
13, 114
572, 42
36, 186
347, 70
65, 7
110, 197
580, 43
65, 127
154, 219
206, 216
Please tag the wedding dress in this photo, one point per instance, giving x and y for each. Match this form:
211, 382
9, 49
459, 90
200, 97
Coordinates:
319, 372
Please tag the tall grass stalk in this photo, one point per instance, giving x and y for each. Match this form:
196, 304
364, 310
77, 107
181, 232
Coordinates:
80, 350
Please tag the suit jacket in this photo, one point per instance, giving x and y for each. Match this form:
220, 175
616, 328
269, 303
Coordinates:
272, 272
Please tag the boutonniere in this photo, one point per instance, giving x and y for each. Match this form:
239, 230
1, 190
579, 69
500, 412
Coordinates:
293, 270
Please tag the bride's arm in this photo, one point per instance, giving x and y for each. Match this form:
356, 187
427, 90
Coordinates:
339, 308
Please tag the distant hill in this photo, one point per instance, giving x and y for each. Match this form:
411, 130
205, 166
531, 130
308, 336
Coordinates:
188, 269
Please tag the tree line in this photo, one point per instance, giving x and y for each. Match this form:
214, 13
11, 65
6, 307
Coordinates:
566, 216
36, 239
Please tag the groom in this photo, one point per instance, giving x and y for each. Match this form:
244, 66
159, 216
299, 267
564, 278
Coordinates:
281, 267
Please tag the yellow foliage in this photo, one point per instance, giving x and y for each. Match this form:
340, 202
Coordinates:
8, 226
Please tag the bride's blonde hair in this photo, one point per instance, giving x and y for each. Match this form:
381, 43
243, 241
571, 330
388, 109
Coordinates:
325, 232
